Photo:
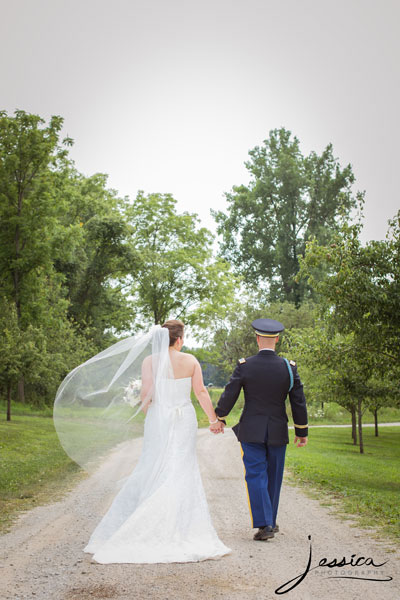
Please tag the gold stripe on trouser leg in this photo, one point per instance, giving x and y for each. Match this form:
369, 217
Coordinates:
247, 489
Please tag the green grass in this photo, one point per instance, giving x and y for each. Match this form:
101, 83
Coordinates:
333, 414
18, 408
34, 468
365, 485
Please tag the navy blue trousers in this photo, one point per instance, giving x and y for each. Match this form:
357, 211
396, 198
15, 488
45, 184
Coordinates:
263, 473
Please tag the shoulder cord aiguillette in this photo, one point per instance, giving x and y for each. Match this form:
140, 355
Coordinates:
290, 374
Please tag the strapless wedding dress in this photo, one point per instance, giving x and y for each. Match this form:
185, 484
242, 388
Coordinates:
161, 514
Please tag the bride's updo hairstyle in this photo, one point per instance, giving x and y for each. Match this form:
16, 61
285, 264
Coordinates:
175, 328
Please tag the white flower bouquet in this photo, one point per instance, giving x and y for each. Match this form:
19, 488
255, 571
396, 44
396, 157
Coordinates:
132, 392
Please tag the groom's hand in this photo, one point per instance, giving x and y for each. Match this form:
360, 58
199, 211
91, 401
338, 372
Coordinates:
217, 427
302, 441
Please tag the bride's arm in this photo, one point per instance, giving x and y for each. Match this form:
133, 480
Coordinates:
201, 392
147, 384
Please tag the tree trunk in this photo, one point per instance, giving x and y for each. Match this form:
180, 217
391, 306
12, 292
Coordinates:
376, 421
16, 274
360, 437
21, 390
354, 425
8, 401
17, 282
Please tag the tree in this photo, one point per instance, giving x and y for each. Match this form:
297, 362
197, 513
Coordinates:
95, 269
39, 234
28, 212
44, 351
28, 209
234, 337
177, 274
338, 369
360, 302
290, 198
21, 352
385, 391
362, 286
63, 343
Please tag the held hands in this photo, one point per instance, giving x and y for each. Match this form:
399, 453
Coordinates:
217, 427
302, 441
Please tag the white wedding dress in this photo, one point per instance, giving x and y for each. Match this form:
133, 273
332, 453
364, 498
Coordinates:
161, 515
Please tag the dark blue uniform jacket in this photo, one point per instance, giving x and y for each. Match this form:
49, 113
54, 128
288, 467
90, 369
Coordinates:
265, 380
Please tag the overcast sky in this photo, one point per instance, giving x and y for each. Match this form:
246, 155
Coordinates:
170, 95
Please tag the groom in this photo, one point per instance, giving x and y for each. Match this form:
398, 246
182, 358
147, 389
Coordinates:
262, 431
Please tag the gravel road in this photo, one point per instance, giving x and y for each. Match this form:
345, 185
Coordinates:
42, 556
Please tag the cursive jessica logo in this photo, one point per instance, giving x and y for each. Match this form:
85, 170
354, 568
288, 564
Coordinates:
353, 561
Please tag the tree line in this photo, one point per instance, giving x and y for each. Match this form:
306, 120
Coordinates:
82, 266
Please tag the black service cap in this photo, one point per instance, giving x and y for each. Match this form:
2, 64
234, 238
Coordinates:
267, 327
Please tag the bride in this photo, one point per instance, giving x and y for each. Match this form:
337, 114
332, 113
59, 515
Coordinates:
160, 515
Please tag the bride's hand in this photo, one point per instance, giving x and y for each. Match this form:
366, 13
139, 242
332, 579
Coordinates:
217, 427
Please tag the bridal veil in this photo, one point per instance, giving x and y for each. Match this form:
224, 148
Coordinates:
100, 403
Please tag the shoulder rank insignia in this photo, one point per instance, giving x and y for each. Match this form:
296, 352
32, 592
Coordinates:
293, 363
242, 360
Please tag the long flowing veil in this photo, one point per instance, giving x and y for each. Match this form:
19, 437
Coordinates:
100, 403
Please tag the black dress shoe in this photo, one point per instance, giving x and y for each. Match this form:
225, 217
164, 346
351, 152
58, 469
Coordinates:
276, 528
264, 533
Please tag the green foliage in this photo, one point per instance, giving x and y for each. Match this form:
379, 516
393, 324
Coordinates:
335, 367
42, 354
177, 276
28, 208
80, 265
62, 238
290, 199
20, 351
234, 337
359, 300
362, 291
353, 353
96, 268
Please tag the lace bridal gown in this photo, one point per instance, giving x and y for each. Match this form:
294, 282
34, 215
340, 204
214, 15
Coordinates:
161, 515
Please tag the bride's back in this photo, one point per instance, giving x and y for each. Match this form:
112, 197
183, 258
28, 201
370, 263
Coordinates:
182, 364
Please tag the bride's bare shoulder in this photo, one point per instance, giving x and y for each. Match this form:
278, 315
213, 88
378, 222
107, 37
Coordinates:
191, 363
189, 358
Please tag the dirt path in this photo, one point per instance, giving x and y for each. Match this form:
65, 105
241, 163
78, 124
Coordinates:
42, 556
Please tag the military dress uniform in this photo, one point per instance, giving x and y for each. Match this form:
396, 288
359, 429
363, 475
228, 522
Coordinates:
262, 431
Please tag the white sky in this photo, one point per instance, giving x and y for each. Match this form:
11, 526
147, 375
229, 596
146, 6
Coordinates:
169, 95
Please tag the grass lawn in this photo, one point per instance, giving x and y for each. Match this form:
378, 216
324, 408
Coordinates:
34, 468
332, 414
366, 485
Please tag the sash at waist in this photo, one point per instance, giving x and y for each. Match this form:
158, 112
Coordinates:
177, 409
